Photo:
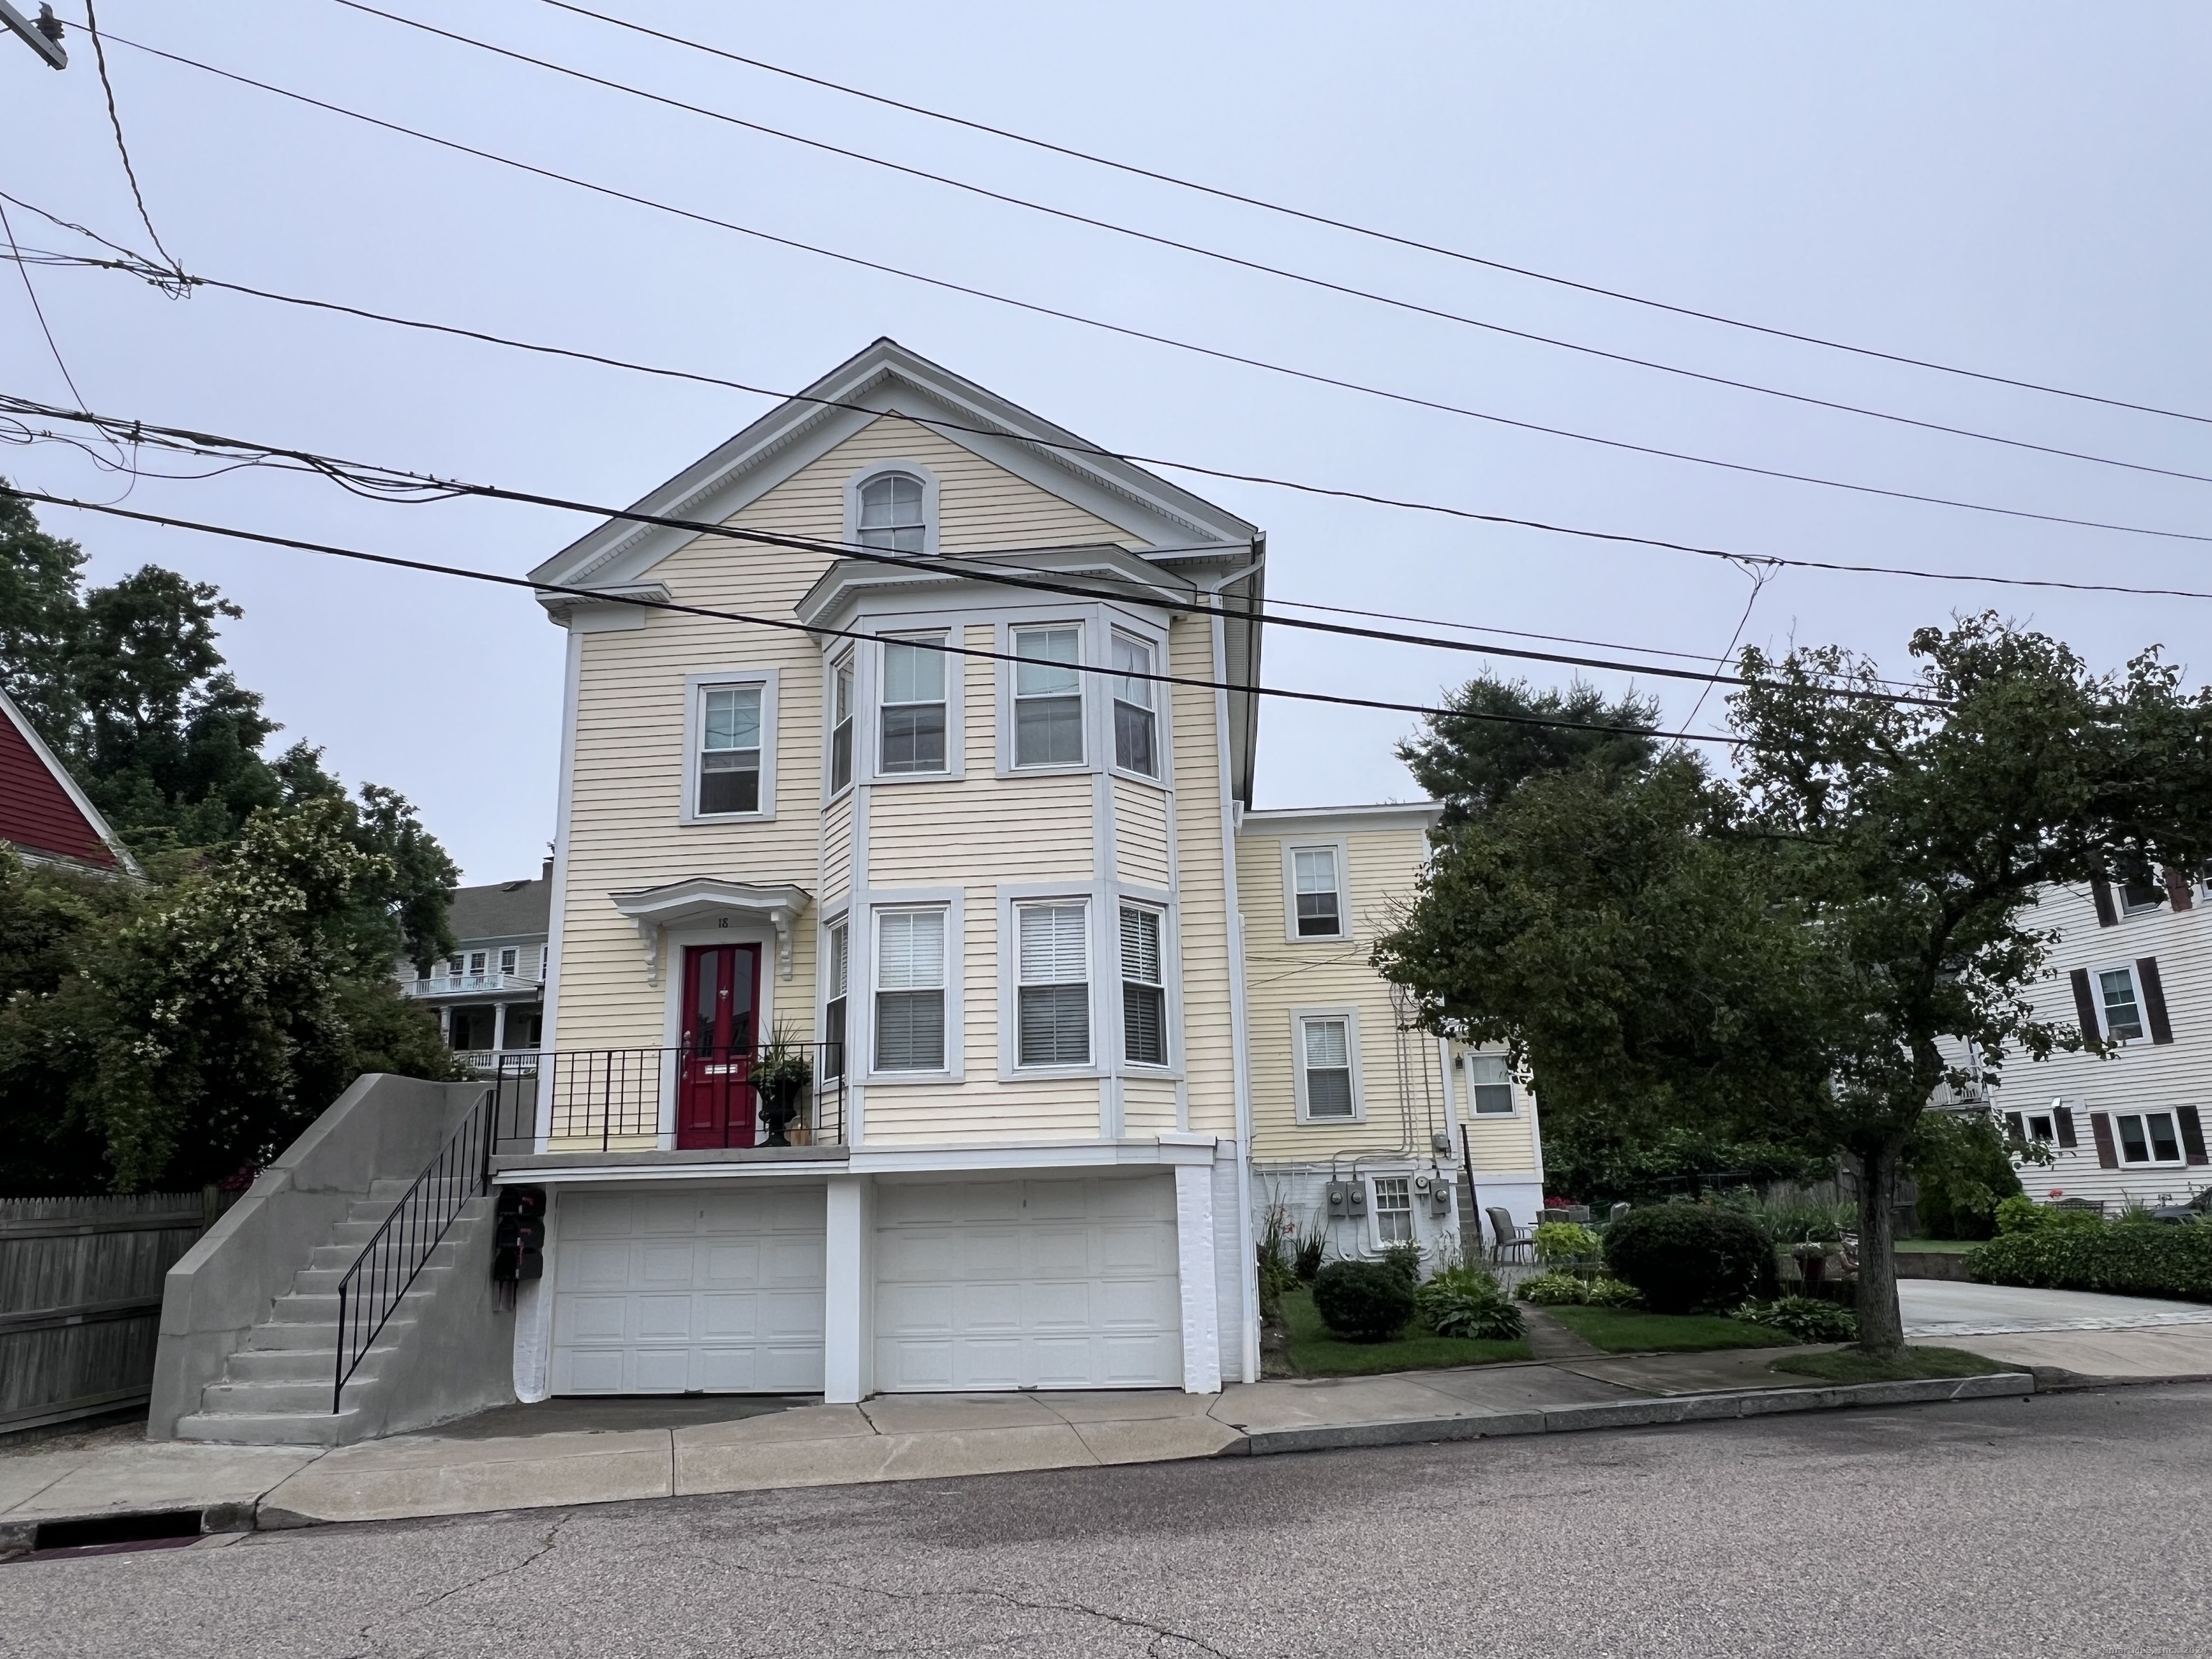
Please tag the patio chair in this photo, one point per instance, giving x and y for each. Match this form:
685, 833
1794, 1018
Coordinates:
1510, 1237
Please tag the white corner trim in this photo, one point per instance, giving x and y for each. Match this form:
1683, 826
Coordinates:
1196, 1278
706, 899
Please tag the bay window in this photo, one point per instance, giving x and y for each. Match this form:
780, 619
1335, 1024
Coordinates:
1048, 697
1143, 993
912, 736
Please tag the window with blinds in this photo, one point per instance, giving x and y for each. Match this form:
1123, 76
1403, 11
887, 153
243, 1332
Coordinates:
839, 945
1144, 994
1489, 1085
910, 990
1053, 987
1326, 1063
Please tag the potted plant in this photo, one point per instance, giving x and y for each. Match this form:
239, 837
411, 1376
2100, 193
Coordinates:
781, 1074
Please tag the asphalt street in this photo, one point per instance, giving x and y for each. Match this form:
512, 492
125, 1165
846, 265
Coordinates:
2066, 1524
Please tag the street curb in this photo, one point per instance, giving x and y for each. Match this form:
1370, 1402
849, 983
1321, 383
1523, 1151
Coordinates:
2056, 1379
1630, 1413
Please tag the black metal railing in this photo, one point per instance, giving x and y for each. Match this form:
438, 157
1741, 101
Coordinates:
600, 1099
390, 1262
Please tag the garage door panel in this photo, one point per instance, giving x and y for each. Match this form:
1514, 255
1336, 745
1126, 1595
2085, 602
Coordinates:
662, 1293
1013, 1284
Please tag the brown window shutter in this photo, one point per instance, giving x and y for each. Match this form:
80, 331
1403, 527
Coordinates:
2176, 889
2063, 1116
2153, 1000
2101, 890
2085, 1005
2101, 1125
2014, 1127
2192, 1135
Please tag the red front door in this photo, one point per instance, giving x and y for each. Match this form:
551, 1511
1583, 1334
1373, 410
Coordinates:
715, 1098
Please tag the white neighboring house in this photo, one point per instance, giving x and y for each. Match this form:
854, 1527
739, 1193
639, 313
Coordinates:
2133, 962
1363, 1127
489, 994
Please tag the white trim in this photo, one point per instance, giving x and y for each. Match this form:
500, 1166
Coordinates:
78, 798
1197, 1283
1350, 1016
840, 655
867, 686
2097, 998
1291, 848
1086, 704
848, 1346
920, 474
1170, 1062
699, 899
2145, 1113
695, 687
1240, 1027
1155, 641
1375, 1242
557, 901
1012, 897
1460, 1086
952, 901
1322, 822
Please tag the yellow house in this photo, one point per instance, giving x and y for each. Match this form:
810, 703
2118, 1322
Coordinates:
925, 771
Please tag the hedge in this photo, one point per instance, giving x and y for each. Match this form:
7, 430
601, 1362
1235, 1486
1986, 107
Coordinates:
2142, 1258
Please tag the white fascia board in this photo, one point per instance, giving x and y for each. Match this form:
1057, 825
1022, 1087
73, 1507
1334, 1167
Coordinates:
1340, 820
1077, 1154
78, 798
886, 379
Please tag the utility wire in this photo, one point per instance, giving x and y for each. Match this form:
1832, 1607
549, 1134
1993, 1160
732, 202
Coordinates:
1369, 231
818, 631
134, 265
23, 270
115, 120
1217, 354
1242, 263
386, 482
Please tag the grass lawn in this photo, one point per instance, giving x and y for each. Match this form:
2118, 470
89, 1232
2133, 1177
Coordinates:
1850, 1365
1314, 1352
1626, 1330
1910, 1246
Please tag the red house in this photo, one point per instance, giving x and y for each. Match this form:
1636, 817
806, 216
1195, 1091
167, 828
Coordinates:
43, 813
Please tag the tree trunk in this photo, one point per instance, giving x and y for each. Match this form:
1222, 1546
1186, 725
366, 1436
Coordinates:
1881, 1328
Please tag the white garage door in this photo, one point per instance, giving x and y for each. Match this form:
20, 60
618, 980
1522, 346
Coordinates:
713, 1293
1027, 1284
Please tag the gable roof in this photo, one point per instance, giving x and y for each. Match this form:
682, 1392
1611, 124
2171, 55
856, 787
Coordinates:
502, 910
42, 811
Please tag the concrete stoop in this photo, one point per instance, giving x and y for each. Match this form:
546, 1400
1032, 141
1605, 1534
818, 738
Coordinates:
276, 1390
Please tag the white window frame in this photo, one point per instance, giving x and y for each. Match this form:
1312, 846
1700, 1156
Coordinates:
947, 901
943, 633
1464, 1086
2097, 996
834, 928
695, 687
1375, 1212
1157, 650
929, 502
2143, 1114
510, 959
1338, 844
1009, 699
1081, 903
2160, 896
1350, 1016
845, 662
1160, 913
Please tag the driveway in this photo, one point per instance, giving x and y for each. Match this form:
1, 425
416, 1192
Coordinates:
1937, 1308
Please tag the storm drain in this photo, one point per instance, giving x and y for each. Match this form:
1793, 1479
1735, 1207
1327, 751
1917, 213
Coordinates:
113, 1534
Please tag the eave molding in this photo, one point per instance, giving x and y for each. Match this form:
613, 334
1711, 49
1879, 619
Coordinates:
710, 899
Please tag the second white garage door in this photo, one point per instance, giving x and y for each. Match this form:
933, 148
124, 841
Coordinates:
1067, 1284
711, 1293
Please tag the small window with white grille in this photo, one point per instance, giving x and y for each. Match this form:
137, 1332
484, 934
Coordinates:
1394, 1209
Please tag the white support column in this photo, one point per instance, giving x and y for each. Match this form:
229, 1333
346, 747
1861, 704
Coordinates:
849, 1292
498, 1027
1195, 1265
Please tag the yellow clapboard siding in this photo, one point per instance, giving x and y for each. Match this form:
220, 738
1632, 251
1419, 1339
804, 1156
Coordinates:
1140, 833
1148, 1106
1209, 1060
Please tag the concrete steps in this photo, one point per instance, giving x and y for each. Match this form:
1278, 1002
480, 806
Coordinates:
277, 1388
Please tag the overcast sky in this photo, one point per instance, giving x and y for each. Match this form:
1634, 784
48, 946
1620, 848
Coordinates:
2020, 189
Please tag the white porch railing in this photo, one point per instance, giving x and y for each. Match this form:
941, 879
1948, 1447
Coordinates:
472, 985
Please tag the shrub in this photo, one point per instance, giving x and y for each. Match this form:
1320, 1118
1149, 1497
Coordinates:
1363, 1301
1565, 1240
2018, 1215
1405, 1260
1964, 1166
1466, 1301
1553, 1291
1685, 1257
1807, 1318
2137, 1259
1609, 1293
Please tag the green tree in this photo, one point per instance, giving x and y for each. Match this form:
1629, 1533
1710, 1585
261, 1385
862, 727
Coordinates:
1491, 741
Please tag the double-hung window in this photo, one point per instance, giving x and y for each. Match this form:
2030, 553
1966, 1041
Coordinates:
840, 943
729, 749
891, 514
914, 706
2123, 1008
2147, 1138
1325, 1067
1316, 893
1144, 994
1052, 992
841, 724
2141, 893
1489, 1085
910, 990
1394, 1209
1048, 697
508, 960
1135, 727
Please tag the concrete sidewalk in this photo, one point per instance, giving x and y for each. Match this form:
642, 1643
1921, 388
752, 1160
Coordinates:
587, 1451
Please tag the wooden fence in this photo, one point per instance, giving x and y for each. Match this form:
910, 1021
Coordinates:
81, 1298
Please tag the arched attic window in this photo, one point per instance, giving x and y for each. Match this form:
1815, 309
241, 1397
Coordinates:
892, 515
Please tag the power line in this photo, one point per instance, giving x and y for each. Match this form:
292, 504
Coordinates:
23, 270
388, 482
115, 120
819, 631
1218, 354
1371, 233
1287, 275
135, 265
